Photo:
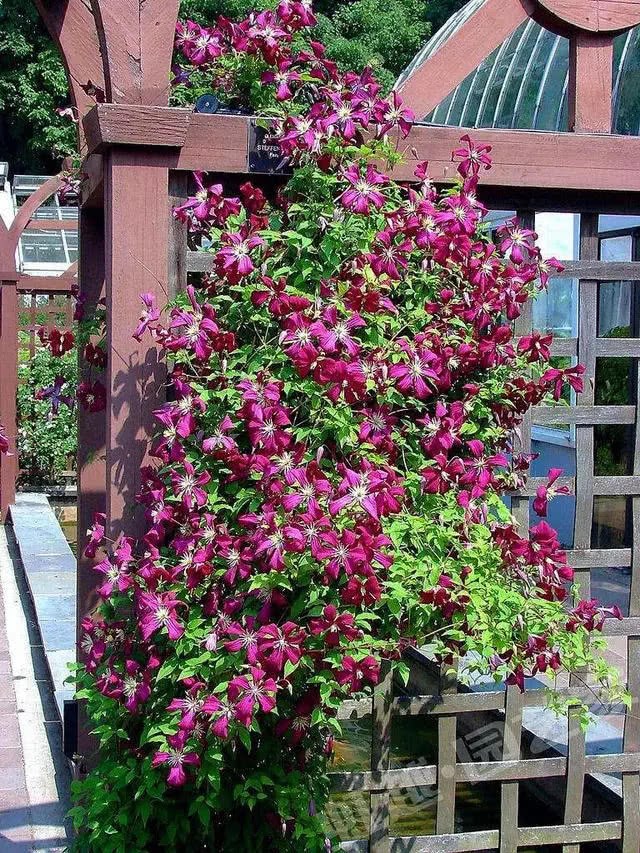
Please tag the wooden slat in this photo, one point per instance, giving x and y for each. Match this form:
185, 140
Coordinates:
178, 234
510, 752
52, 225
45, 284
200, 261
570, 161
601, 270
380, 758
447, 743
585, 415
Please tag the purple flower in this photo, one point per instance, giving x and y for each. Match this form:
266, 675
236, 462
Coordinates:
159, 611
362, 194
176, 756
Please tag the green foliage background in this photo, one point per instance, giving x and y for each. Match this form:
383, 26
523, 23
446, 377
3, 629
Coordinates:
383, 33
46, 443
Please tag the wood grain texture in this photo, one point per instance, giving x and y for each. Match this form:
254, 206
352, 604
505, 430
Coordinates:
590, 90
136, 227
477, 37
73, 28
136, 39
595, 16
533, 160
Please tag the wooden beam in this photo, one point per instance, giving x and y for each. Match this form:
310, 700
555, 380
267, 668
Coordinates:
522, 159
52, 225
45, 283
137, 39
591, 83
456, 58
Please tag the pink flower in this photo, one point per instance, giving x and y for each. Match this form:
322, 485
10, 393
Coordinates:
545, 493
279, 645
157, 612
188, 486
250, 694
176, 756
335, 627
245, 639
234, 258
362, 194
474, 157
149, 316
354, 673
117, 569
96, 535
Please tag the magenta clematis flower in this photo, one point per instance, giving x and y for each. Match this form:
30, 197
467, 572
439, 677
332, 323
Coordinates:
412, 376
308, 485
391, 113
188, 486
279, 644
245, 639
473, 157
117, 569
284, 78
335, 627
150, 315
265, 427
358, 489
220, 442
362, 194
193, 329
136, 686
96, 535
354, 673
234, 258
252, 693
518, 242
344, 553
159, 611
334, 333
545, 493
176, 756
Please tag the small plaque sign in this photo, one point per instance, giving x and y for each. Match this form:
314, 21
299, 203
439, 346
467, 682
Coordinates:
265, 156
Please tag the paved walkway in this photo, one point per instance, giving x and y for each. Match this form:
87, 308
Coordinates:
33, 779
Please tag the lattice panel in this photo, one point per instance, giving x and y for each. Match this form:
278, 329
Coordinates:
449, 706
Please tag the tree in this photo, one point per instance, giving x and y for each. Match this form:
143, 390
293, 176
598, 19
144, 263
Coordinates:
32, 85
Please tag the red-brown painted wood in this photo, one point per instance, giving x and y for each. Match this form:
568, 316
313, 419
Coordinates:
591, 83
8, 391
137, 38
597, 16
136, 229
73, 28
458, 57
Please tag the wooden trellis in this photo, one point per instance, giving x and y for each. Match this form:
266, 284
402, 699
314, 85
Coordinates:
137, 152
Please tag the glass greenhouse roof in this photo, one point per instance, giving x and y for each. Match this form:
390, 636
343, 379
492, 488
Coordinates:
523, 84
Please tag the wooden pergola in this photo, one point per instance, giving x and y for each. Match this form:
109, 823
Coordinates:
137, 153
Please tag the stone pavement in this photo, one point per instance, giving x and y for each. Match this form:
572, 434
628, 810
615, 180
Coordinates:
33, 779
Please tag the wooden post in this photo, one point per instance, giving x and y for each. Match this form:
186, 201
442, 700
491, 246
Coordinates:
91, 443
8, 389
136, 235
591, 83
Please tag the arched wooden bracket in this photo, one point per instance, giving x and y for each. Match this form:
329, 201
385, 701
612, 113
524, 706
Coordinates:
593, 16
73, 28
